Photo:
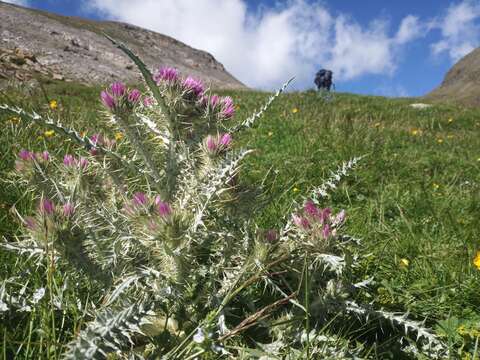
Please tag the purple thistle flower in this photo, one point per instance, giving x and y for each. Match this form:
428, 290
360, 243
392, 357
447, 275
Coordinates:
83, 163
226, 140
211, 143
147, 101
324, 215
213, 101
340, 218
26, 155
107, 100
326, 231
68, 209
30, 223
134, 96
193, 85
301, 222
166, 73
163, 208
46, 207
96, 139
118, 89
68, 160
228, 109
45, 155
311, 209
139, 199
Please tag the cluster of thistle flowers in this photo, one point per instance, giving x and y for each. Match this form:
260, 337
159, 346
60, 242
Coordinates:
100, 140
49, 215
118, 98
26, 159
318, 223
193, 90
153, 209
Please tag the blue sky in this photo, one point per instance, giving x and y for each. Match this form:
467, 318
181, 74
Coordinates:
391, 48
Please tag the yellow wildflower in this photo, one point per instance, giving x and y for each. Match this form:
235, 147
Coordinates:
476, 260
53, 104
404, 263
49, 133
294, 110
270, 133
416, 132
295, 189
439, 140
435, 186
450, 120
450, 136
118, 136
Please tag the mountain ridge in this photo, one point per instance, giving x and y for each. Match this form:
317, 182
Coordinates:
54, 46
461, 84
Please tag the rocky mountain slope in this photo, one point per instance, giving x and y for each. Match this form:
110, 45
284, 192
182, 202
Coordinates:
462, 82
34, 42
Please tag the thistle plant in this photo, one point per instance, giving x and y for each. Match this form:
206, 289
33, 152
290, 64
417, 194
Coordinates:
151, 220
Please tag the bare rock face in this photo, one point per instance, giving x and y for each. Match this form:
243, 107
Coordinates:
74, 49
462, 82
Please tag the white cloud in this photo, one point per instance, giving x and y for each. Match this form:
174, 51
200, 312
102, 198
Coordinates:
460, 30
410, 29
266, 48
17, 2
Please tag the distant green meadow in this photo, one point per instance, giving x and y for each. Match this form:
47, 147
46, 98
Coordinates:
414, 201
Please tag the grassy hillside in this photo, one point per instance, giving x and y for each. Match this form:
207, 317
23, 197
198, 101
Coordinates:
414, 201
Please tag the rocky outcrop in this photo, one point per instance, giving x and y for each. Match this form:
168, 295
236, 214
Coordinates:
462, 82
74, 49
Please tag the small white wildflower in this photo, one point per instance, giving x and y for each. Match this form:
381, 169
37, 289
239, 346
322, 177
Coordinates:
38, 295
3, 306
199, 337
222, 327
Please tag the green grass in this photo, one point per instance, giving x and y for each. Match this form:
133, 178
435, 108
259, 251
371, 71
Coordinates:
415, 196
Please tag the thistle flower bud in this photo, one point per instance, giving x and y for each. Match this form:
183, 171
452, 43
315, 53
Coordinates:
26, 155
139, 199
83, 163
134, 96
339, 218
226, 140
228, 109
167, 74
210, 101
326, 231
211, 143
45, 155
96, 139
163, 208
301, 222
68, 160
324, 215
107, 100
68, 209
148, 101
46, 207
